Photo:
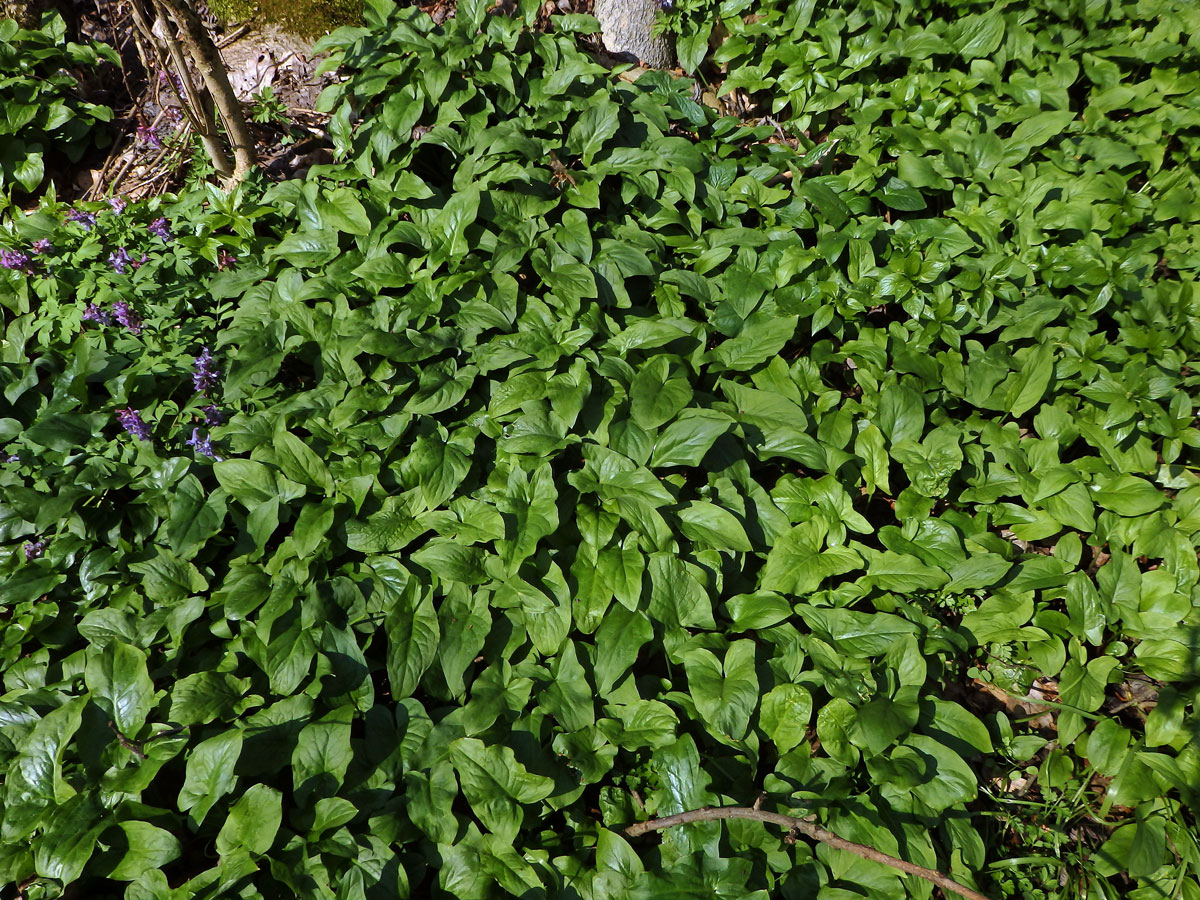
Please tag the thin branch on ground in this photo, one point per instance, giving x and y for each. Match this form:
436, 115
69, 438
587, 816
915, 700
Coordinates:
808, 829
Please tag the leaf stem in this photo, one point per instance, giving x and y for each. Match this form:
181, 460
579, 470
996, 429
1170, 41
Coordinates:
808, 829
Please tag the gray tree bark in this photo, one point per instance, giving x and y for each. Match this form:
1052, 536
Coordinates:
626, 26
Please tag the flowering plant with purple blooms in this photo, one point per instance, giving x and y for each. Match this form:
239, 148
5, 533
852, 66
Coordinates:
159, 228
202, 445
147, 135
127, 316
95, 313
118, 204
16, 260
205, 376
42, 245
213, 415
86, 219
34, 549
131, 420
119, 260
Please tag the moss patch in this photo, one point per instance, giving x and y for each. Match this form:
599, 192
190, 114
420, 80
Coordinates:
308, 19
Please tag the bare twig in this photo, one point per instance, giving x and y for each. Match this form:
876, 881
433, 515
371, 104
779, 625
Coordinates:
132, 746
814, 832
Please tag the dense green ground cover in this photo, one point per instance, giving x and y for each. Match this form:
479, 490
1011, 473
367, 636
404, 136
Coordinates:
509, 509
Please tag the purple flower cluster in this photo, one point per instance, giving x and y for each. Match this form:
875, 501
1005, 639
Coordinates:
127, 316
42, 245
118, 204
131, 420
95, 313
212, 416
86, 219
205, 377
119, 260
122, 262
159, 228
148, 135
225, 260
34, 549
16, 260
202, 445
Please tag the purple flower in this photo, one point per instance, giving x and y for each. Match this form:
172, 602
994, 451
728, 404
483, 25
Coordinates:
119, 260
86, 219
202, 445
148, 135
159, 228
118, 204
131, 420
225, 260
205, 376
42, 246
127, 316
34, 549
666, 5
212, 416
12, 457
15, 259
95, 313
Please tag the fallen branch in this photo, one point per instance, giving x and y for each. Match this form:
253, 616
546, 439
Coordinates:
809, 830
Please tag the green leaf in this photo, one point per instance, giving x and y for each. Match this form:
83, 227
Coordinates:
69, 838
34, 780
306, 249
786, 715
199, 698
619, 640
299, 463
253, 821
495, 784
761, 609
855, 633
1083, 686
1040, 128
209, 773
708, 525
341, 209
146, 846
726, 695
413, 635
569, 696
904, 574
656, 398
598, 123
167, 579
827, 201
1127, 495
118, 681
978, 35
452, 562
881, 721
1032, 381
247, 481
686, 440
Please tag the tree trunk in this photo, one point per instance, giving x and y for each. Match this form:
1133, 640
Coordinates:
204, 53
626, 27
